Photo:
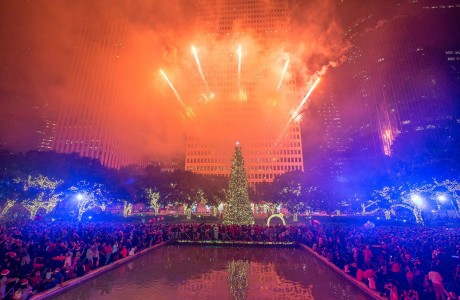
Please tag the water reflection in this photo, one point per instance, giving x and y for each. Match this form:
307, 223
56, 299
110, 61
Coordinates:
238, 279
192, 272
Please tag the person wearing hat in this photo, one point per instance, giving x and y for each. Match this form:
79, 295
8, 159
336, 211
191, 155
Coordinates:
57, 278
4, 282
22, 291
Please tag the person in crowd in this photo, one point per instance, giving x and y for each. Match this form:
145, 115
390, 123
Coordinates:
436, 280
6, 283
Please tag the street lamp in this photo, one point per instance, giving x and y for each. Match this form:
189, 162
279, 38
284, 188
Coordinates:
442, 198
417, 200
79, 197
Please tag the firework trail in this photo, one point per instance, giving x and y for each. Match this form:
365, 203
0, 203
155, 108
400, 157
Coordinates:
302, 103
173, 89
295, 115
200, 70
282, 74
239, 67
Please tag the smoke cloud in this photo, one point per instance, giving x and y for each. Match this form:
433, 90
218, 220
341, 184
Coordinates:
55, 54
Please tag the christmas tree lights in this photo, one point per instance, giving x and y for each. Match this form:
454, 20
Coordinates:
238, 208
238, 279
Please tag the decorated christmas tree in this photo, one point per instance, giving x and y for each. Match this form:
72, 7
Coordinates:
238, 208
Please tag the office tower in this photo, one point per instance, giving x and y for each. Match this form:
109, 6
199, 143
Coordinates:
237, 43
47, 130
402, 70
88, 118
332, 143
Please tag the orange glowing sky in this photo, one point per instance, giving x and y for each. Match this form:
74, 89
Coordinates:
42, 45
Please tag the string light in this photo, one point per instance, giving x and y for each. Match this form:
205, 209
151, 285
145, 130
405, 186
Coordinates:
9, 204
47, 198
127, 209
238, 279
238, 209
187, 210
88, 197
154, 198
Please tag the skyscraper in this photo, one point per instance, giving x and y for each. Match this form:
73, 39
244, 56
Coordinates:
402, 67
47, 130
238, 43
86, 123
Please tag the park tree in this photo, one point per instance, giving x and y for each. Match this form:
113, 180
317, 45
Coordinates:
39, 192
452, 187
289, 192
214, 191
154, 199
181, 189
89, 196
408, 196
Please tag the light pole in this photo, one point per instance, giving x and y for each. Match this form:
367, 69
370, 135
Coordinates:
442, 199
417, 200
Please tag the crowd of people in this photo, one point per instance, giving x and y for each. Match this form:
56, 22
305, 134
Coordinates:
402, 262
39, 255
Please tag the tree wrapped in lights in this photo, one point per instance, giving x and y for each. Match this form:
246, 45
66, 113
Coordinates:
9, 204
154, 200
40, 193
127, 209
88, 197
453, 186
412, 199
238, 279
187, 210
392, 198
366, 206
238, 209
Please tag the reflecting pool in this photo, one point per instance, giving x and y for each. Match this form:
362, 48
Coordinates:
207, 272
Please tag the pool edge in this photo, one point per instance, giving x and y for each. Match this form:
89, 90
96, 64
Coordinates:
75, 282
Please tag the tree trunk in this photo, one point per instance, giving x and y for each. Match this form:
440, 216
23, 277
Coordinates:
457, 210
418, 216
9, 204
188, 211
387, 214
33, 212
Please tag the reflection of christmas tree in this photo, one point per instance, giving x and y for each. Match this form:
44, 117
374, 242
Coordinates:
238, 279
238, 209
